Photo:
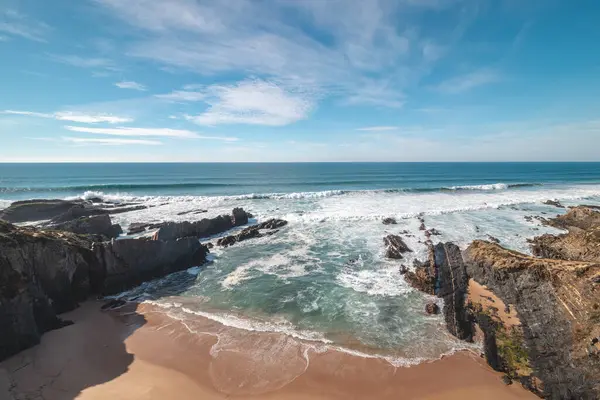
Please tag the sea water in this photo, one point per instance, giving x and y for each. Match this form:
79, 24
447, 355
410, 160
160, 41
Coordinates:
323, 279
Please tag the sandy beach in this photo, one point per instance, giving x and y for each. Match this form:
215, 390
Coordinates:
137, 352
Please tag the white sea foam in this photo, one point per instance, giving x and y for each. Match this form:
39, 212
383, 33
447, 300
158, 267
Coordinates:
492, 186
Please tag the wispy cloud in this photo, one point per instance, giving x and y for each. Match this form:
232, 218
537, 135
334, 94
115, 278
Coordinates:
363, 38
183, 96
110, 142
73, 116
161, 132
130, 85
468, 81
85, 62
256, 102
378, 128
14, 23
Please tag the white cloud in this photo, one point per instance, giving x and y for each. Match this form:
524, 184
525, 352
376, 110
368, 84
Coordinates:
130, 85
468, 81
183, 96
74, 116
162, 132
378, 128
110, 142
14, 23
255, 102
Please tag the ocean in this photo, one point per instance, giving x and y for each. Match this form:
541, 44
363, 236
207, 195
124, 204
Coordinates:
322, 281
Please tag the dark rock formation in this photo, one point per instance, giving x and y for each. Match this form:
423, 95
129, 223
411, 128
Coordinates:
203, 228
452, 285
389, 221
137, 227
253, 232
432, 232
41, 274
554, 203
94, 225
194, 212
395, 247
46, 272
557, 303
493, 239
432, 308
444, 274
582, 217
35, 210
129, 262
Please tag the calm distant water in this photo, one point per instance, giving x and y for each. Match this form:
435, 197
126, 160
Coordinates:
19, 181
323, 280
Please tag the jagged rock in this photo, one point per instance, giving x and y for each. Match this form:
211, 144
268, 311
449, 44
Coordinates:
395, 247
203, 228
46, 272
129, 262
272, 223
554, 203
41, 274
432, 232
582, 217
137, 227
432, 308
422, 227
423, 277
36, 210
557, 305
581, 243
389, 221
452, 285
403, 269
95, 225
252, 232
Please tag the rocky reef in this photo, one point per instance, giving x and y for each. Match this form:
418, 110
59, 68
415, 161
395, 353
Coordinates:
538, 316
45, 271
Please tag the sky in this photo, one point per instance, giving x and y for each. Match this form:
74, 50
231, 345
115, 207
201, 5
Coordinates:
299, 80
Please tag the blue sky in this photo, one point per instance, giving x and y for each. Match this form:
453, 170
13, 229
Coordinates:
299, 80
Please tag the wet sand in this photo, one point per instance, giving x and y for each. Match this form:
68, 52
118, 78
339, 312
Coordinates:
138, 352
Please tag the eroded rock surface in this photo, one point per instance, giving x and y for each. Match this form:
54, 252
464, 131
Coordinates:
252, 232
395, 247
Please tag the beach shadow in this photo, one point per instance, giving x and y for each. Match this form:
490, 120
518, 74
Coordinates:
88, 353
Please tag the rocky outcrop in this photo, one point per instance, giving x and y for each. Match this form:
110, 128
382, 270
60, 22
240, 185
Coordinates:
558, 306
554, 203
95, 225
389, 221
35, 210
252, 232
444, 275
395, 247
47, 272
129, 262
203, 228
41, 274
580, 243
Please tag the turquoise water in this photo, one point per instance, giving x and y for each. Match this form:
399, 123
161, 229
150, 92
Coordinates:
322, 279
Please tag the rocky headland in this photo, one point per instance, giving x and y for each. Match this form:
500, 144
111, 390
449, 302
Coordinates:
536, 315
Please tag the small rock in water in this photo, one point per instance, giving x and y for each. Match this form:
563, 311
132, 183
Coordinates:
389, 221
554, 203
422, 227
432, 308
395, 247
403, 269
493, 239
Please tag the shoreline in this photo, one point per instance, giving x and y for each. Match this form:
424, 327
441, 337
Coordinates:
136, 352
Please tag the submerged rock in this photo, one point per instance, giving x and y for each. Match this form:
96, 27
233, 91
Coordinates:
395, 247
389, 221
